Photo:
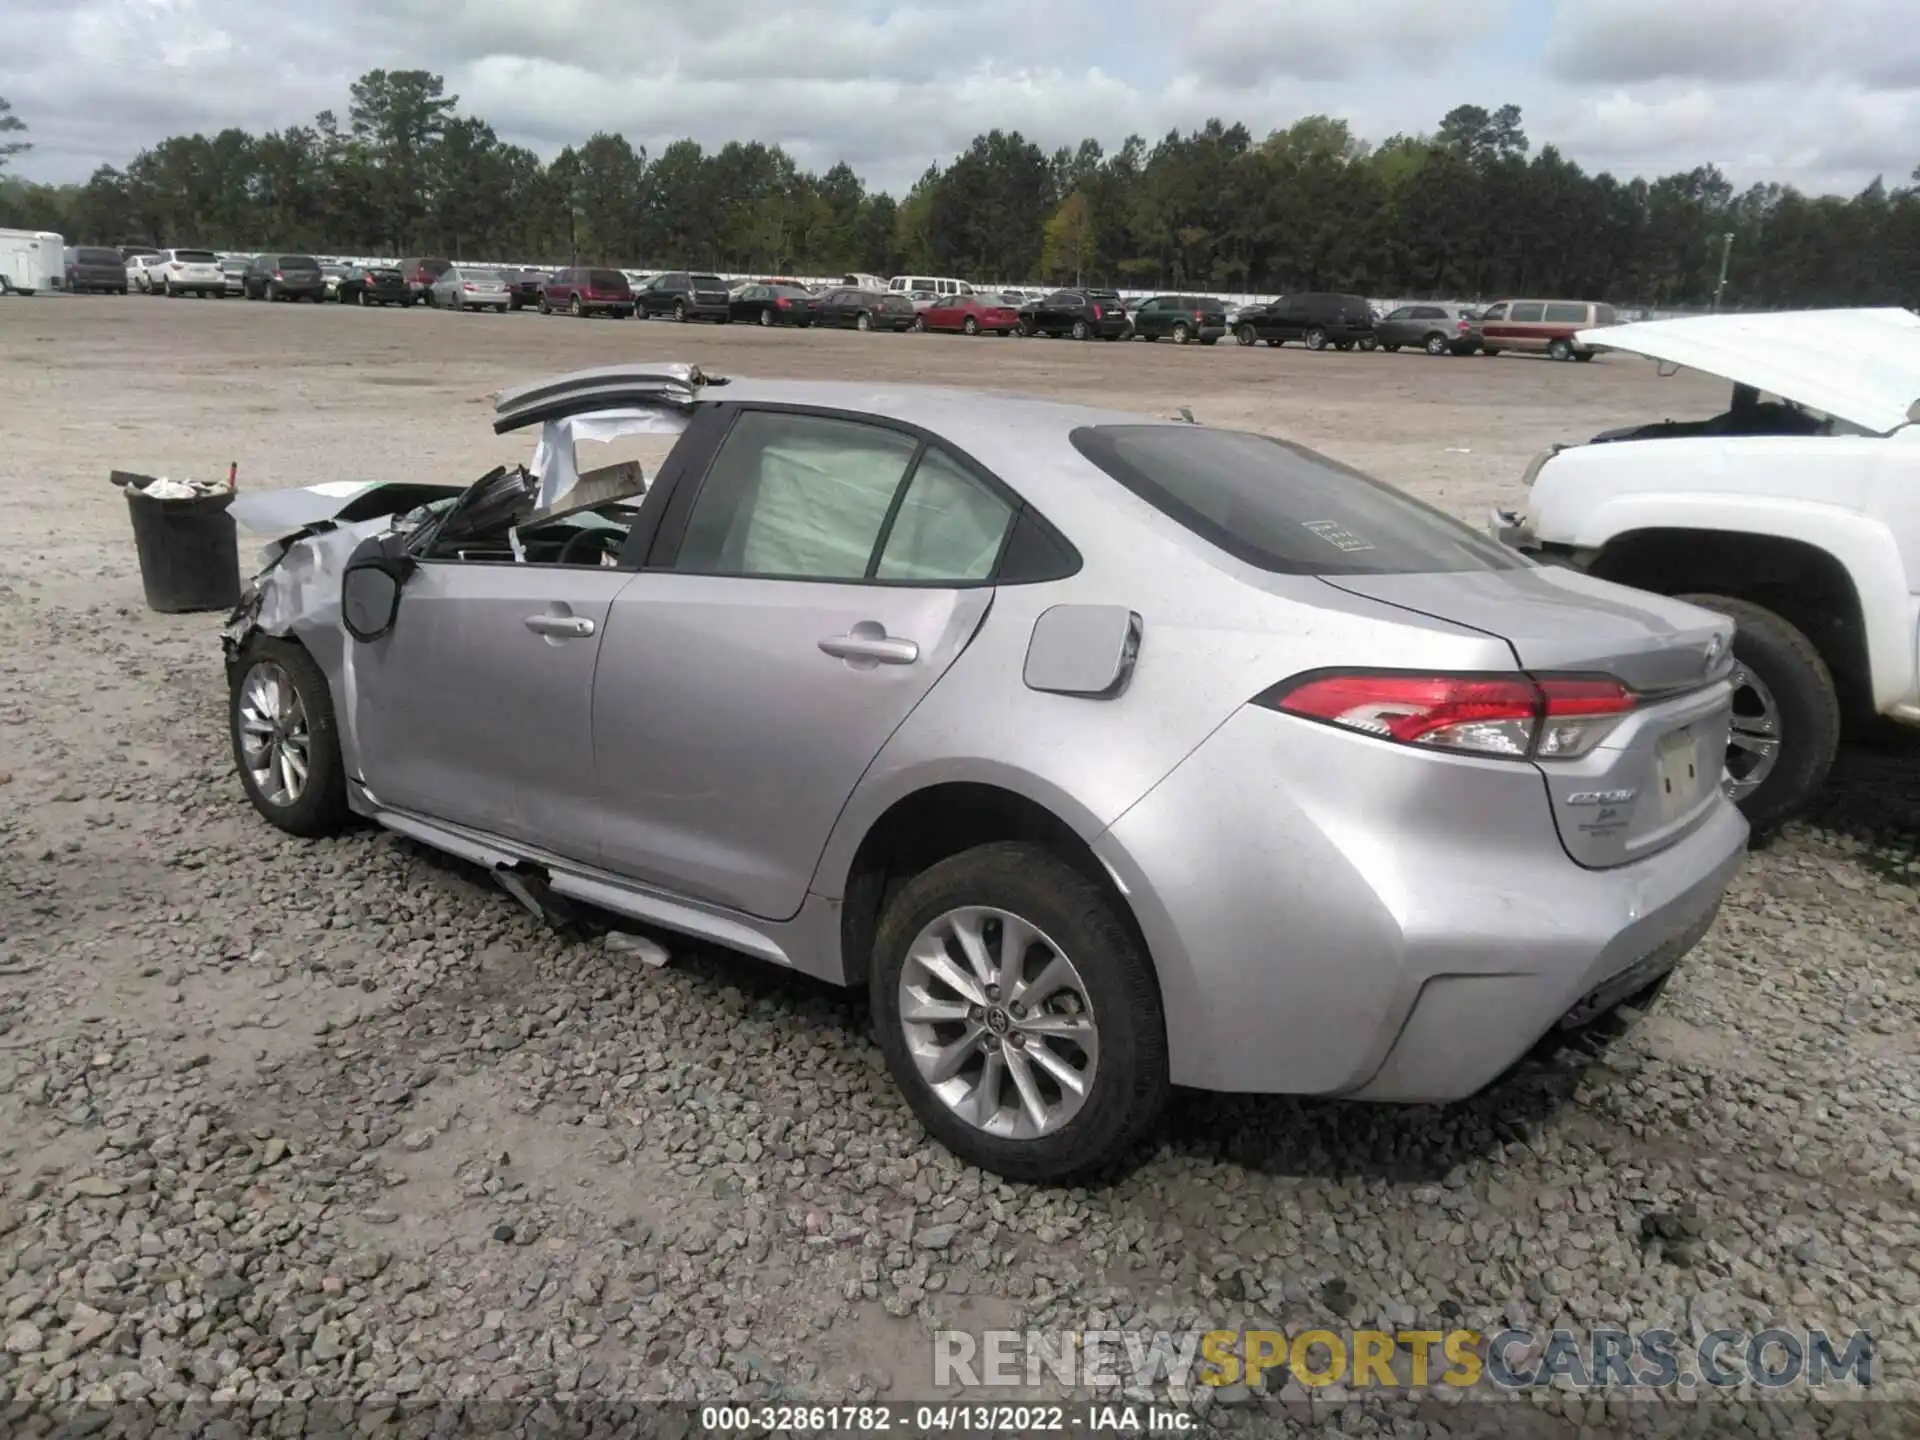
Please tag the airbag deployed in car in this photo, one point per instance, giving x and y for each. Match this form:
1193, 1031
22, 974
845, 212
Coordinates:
815, 510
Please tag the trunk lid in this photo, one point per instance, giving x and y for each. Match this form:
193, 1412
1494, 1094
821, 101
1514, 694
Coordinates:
1656, 775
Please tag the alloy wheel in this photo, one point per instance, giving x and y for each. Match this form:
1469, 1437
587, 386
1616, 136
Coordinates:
999, 1023
275, 741
1753, 744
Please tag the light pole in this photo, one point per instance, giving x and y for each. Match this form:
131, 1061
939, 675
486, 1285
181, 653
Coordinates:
1726, 254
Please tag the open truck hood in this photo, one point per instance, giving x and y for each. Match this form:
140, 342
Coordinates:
1861, 366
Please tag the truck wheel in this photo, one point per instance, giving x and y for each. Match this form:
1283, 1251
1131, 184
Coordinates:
1786, 714
1019, 1015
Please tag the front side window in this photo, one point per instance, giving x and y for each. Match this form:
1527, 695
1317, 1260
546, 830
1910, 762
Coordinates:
1496, 312
1405, 312
803, 496
1284, 508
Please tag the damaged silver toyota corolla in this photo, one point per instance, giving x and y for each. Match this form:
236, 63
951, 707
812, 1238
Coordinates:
1109, 753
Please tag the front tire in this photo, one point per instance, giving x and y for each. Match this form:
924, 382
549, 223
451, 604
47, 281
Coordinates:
966, 1051
285, 742
680, 311
1786, 713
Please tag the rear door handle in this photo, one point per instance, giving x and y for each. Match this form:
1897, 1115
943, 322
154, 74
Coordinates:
861, 643
564, 626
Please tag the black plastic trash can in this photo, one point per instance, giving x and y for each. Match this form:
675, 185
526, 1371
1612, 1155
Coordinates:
189, 557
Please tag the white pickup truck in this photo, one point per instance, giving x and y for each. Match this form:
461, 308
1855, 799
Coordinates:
1796, 511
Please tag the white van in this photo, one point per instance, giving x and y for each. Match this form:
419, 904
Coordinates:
32, 260
923, 290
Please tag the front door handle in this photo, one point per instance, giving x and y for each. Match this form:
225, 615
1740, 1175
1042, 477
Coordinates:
560, 626
870, 642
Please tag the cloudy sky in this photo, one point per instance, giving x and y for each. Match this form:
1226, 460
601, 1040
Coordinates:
1824, 96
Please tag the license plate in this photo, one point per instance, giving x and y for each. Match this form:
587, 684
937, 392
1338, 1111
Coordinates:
1680, 773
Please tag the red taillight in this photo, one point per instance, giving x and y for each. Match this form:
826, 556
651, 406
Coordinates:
278, 276
1201, 316
1464, 325
1516, 716
468, 285
1098, 312
782, 303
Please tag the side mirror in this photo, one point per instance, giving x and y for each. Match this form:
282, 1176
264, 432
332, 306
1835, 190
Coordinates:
370, 589
370, 599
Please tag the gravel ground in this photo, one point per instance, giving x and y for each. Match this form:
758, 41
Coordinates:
291, 1121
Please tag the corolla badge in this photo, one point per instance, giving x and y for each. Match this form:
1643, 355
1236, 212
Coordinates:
1600, 797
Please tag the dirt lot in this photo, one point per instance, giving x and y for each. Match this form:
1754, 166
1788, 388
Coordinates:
294, 1121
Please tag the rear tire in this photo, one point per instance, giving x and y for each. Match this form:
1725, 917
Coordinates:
1560, 350
576, 309
766, 319
1080, 330
1436, 345
1794, 681
863, 321
680, 311
970, 325
320, 805
1245, 336
1129, 1084
1583, 356
1181, 334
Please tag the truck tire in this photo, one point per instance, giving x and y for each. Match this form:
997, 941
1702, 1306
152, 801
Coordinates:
1785, 695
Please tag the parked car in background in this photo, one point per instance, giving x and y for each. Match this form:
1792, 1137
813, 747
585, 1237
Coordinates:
95, 267
284, 277
1434, 328
470, 287
1180, 318
970, 314
772, 304
1082, 314
859, 281
844, 308
332, 272
186, 272
685, 295
525, 287
1795, 511
585, 291
233, 272
891, 700
374, 285
421, 272
139, 274
1542, 327
130, 252
1316, 319
924, 290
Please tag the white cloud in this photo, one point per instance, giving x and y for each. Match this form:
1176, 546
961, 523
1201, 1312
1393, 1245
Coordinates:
1819, 96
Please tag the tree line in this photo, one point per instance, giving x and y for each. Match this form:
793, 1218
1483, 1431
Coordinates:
1470, 210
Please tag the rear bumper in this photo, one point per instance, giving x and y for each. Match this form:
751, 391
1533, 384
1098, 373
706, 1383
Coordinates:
1372, 921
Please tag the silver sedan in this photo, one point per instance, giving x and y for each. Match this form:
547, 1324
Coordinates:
470, 287
1107, 753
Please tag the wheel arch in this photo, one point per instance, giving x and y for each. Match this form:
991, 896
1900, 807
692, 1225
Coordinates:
1803, 582
939, 819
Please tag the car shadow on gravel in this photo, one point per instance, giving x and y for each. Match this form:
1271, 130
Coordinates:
1873, 799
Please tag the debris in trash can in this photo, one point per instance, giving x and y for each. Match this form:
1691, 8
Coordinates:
646, 951
164, 489
188, 555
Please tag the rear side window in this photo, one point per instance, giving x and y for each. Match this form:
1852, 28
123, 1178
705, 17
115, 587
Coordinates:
606, 280
299, 262
1563, 312
708, 282
1603, 315
1283, 508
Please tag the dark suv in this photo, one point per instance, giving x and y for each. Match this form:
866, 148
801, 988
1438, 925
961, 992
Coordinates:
1083, 314
420, 274
1316, 319
284, 277
587, 292
1181, 318
525, 287
95, 267
686, 296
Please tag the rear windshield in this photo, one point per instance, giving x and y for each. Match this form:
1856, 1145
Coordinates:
606, 280
93, 255
194, 257
1283, 508
298, 262
708, 282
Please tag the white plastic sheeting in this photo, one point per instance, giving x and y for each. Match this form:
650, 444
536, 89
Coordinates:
557, 466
